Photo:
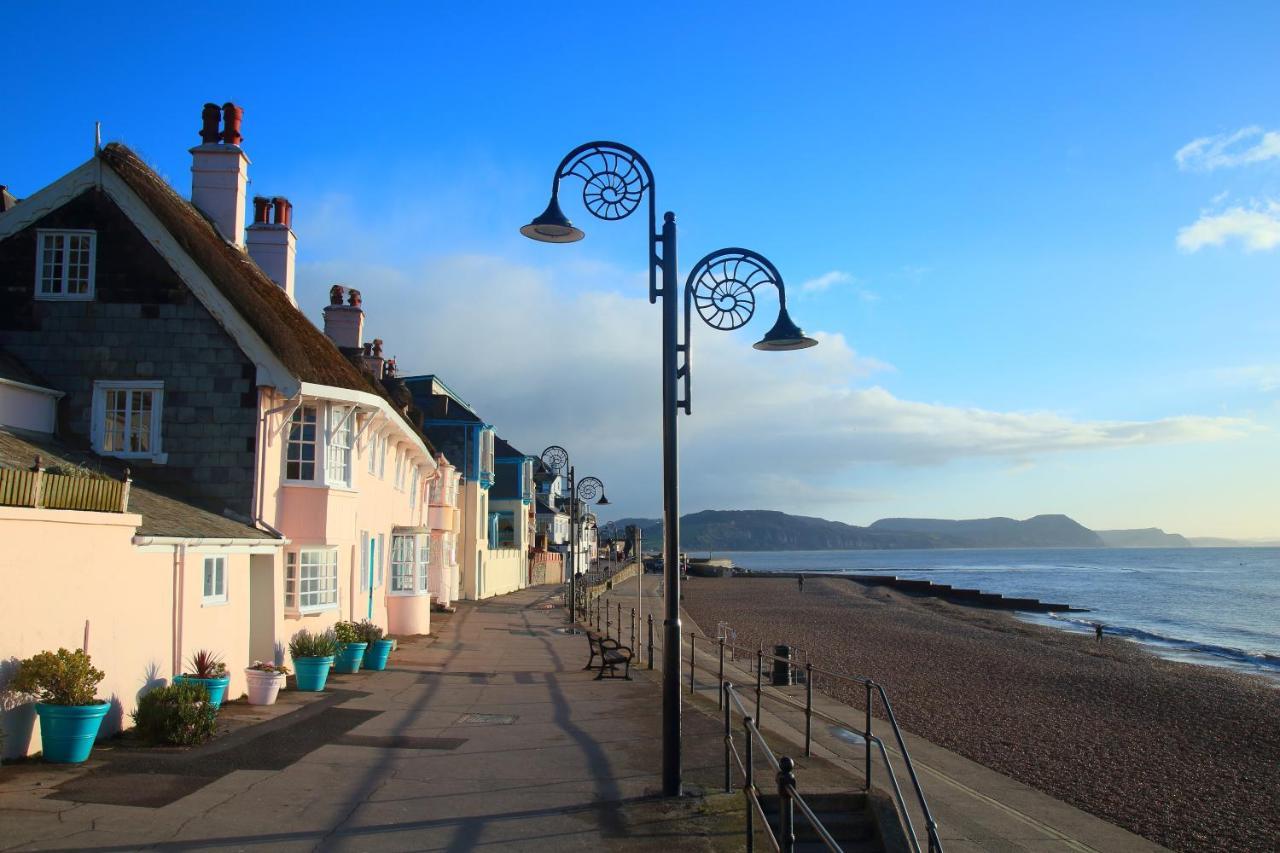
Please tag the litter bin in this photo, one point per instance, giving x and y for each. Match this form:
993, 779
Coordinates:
782, 668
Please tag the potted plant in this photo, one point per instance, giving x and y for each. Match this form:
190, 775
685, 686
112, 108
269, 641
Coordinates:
375, 655
265, 681
64, 684
207, 670
312, 656
350, 647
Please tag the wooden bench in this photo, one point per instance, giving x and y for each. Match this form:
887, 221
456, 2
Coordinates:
612, 654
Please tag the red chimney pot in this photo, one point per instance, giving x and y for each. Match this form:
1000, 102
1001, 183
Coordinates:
335, 294
231, 118
261, 206
353, 298
284, 211
377, 347
209, 132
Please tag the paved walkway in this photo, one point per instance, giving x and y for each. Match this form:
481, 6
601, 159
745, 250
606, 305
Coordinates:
977, 809
489, 736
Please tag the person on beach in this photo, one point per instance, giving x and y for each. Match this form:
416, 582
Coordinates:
1097, 631
800, 580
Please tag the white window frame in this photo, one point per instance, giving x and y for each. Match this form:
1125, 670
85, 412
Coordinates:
327, 594
413, 488
338, 438
372, 452
401, 464
66, 233
317, 459
98, 430
410, 564
210, 594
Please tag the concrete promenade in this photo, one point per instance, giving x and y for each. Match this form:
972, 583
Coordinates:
490, 736
977, 809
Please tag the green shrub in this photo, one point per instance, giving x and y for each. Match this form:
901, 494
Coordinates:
308, 645
347, 632
368, 632
179, 714
59, 678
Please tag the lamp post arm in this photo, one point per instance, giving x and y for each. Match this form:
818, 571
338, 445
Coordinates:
723, 286
615, 177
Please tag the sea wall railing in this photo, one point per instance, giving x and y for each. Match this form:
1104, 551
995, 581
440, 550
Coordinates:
607, 617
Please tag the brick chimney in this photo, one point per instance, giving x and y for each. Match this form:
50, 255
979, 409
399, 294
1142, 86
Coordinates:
344, 324
271, 241
220, 171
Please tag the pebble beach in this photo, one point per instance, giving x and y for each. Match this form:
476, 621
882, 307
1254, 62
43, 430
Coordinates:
1186, 756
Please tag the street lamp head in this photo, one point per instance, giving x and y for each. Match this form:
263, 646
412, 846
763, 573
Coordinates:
552, 226
785, 335
604, 501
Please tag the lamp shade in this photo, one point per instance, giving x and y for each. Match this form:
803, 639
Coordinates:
785, 335
604, 501
552, 226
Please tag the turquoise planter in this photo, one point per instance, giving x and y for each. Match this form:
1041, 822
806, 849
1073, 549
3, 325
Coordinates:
350, 655
217, 687
312, 673
67, 732
375, 657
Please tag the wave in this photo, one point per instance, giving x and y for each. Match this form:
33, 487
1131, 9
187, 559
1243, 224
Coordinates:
1266, 660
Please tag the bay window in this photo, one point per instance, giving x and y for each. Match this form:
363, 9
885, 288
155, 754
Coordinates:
410, 557
311, 580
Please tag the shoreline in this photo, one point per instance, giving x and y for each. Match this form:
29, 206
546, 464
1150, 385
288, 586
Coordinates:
1183, 756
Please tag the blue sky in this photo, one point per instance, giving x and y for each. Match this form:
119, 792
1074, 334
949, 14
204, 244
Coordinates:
1041, 242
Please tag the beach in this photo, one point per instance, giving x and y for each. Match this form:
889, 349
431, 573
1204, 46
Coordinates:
1187, 756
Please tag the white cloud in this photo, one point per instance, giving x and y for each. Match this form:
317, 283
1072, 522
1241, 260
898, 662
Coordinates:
1261, 377
826, 281
570, 355
1245, 146
1256, 227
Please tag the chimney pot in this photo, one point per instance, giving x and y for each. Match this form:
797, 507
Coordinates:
344, 324
284, 210
335, 294
210, 116
377, 347
231, 118
261, 206
368, 350
353, 298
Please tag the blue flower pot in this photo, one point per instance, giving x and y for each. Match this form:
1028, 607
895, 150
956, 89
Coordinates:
375, 657
217, 687
312, 673
350, 655
67, 732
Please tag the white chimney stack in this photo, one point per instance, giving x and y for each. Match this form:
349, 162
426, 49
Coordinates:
344, 324
220, 171
272, 244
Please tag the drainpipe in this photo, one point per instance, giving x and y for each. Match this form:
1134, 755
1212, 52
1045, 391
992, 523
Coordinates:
179, 585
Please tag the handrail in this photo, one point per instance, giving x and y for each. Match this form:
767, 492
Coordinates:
870, 685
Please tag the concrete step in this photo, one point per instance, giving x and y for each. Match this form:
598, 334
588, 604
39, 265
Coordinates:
845, 815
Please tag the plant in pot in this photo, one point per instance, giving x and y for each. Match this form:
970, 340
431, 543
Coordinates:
312, 656
181, 714
265, 681
351, 647
208, 671
64, 684
375, 655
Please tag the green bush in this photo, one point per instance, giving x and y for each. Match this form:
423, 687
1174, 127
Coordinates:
59, 678
347, 632
368, 632
308, 645
179, 714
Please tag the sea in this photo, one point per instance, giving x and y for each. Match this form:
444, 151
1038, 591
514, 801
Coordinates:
1214, 606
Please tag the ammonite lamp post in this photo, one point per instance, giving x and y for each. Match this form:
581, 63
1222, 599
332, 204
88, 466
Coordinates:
722, 286
556, 458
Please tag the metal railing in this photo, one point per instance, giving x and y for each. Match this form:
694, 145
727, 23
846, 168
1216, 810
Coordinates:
789, 798
870, 739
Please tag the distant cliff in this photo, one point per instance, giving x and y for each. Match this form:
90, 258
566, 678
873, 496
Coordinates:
1148, 537
764, 530
1041, 531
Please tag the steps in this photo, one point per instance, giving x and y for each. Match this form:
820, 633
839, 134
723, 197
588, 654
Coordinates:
846, 816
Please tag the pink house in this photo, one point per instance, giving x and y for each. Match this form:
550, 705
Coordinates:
278, 475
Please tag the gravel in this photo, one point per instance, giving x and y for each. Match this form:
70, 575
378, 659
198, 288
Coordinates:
1186, 756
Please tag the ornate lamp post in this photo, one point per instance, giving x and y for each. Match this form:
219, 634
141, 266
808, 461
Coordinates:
556, 458
722, 286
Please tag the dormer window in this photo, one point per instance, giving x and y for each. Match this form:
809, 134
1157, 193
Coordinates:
126, 419
64, 264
